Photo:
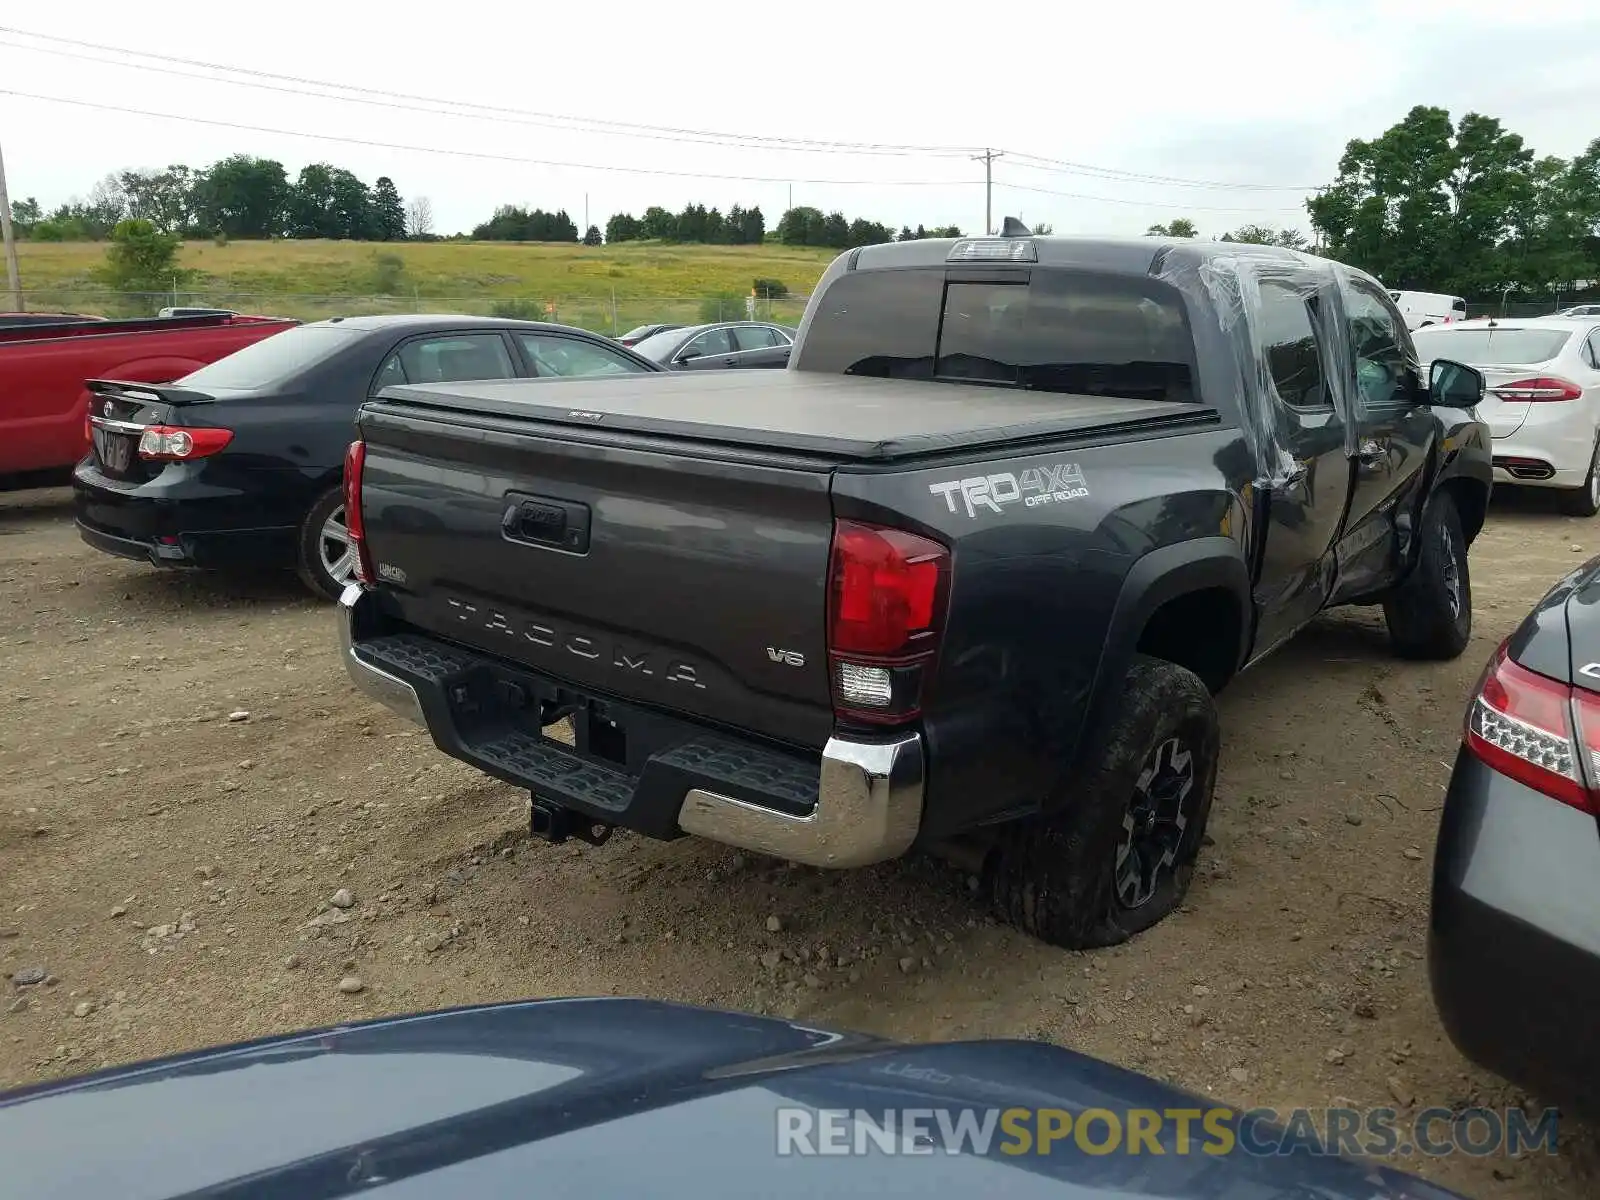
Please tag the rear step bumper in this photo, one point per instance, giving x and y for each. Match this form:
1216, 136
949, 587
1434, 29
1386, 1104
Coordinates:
860, 803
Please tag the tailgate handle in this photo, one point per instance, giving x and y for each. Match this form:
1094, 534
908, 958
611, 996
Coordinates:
546, 521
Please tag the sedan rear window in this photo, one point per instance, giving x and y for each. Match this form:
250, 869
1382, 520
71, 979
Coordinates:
272, 360
1491, 347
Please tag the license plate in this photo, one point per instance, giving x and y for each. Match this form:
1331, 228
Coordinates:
115, 451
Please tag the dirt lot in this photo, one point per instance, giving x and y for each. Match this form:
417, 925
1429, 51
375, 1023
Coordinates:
169, 862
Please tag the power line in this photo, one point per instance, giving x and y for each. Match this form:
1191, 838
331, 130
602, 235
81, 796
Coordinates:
433, 107
189, 119
472, 110
585, 124
186, 118
1023, 187
1035, 162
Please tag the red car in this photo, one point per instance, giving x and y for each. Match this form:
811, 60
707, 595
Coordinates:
43, 401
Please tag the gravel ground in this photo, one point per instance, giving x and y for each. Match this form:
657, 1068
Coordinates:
205, 835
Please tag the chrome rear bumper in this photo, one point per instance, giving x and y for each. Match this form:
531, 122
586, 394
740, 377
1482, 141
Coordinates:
869, 796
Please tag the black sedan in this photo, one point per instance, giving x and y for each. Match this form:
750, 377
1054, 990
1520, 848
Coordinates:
727, 344
240, 464
572, 1099
1514, 936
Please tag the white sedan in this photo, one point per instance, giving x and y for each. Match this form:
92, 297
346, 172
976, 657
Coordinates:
1542, 399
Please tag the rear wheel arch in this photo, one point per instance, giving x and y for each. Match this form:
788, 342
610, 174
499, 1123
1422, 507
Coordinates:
1187, 603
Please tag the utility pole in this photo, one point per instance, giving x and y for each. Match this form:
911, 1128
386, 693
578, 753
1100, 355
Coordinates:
987, 159
586, 212
13, 279
791, 197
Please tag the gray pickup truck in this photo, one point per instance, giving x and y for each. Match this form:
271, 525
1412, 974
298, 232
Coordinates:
964, 578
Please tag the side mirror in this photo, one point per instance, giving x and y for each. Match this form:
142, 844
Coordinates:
687, 356
1454, 385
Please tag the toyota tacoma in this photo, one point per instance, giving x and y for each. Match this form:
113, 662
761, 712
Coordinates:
964, 578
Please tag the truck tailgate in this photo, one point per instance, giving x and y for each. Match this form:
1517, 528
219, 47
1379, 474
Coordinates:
690, 584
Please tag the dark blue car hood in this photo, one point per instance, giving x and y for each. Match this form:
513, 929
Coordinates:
597, 1098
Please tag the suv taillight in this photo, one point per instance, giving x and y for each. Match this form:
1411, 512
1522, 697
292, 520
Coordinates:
355, 458
1536, 730
886, 598
1545, 388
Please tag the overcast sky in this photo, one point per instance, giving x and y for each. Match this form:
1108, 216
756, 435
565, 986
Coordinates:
1259, 95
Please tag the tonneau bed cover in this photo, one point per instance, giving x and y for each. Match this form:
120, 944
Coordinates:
848, 417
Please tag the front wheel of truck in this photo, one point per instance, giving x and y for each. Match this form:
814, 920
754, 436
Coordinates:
1430, 614
1118, 852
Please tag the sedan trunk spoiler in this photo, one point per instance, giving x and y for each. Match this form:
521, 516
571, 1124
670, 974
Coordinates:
146, 393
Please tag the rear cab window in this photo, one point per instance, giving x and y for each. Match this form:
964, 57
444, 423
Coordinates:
1056, 330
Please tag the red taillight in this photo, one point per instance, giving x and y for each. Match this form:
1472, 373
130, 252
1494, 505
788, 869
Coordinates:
355, 458
886, 597
168, 443
1544, 388
1537, 731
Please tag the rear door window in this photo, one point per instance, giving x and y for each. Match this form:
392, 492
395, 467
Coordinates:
713, 341
1289, 341
456, 358
555, 355
755, 337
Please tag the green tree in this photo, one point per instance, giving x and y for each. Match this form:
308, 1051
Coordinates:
513, 224
1262, 235
25, 214
164, 198
1180, 227
1428, 204
802, 226
311, 204
622, 228
869, 233
141, 258
658, 225
243, 197
591, 236
388, 212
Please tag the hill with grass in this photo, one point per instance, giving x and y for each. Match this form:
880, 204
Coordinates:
608, 288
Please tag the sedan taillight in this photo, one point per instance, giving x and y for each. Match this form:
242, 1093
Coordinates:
1545, 388
166, 443
1536, 730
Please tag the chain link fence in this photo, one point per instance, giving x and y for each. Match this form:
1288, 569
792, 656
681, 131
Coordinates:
610, 315
1523, 304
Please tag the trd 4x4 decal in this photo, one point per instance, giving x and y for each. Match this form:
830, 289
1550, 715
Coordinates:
1035, 486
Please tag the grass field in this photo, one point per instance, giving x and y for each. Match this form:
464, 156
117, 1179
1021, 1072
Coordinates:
603, 287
